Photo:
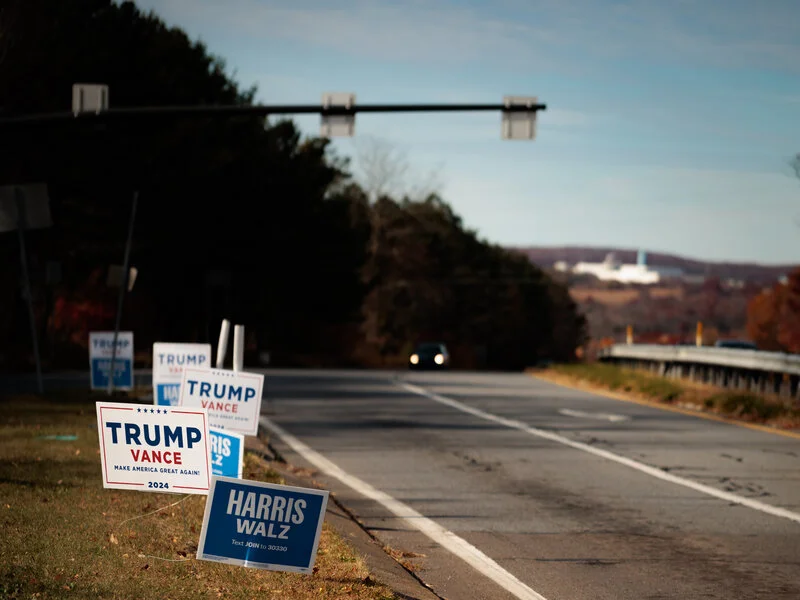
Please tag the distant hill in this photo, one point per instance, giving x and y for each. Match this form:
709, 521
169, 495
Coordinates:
750, 272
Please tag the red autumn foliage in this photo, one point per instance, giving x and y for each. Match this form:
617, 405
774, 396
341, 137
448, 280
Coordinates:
74, 318
789, 318
77, 312
773, 316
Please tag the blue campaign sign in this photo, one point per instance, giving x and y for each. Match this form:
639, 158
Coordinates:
262, 525
227, 453
167, 394
101, 345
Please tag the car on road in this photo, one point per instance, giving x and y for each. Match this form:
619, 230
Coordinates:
429, 355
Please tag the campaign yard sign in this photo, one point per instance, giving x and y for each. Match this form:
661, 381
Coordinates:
154, 449
169, 360
227, 453
262, 525
101, 344
232, 398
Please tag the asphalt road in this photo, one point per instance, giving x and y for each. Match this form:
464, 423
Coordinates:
566, 522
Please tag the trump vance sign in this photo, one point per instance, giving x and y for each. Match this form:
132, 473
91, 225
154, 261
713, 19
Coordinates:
154, 449
232, 398
262, 525
169, 360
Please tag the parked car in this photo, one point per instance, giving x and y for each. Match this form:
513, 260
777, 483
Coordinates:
429, 355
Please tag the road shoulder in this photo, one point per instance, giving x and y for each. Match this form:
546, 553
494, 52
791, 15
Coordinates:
682, 408
386, 569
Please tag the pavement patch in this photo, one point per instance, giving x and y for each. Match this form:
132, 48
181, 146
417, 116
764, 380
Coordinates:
598, 416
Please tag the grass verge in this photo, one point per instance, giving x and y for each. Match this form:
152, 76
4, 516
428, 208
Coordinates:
753, 408
65, 536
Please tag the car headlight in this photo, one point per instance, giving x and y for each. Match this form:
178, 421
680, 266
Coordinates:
414, 359
439, 359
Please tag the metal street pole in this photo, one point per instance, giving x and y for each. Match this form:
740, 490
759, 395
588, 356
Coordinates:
333, 110
122, 290
26, 284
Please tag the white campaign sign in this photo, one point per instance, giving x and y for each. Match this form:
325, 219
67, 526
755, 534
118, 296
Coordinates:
232, 398
154, 449
169, 360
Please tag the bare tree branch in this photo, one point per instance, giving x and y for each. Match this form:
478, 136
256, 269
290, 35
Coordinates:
383, 169
431, 183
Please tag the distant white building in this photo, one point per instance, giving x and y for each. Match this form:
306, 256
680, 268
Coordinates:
613, 270
561, 265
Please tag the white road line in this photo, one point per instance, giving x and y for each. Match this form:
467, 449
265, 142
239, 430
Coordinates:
599, 416
657, 473
444, 537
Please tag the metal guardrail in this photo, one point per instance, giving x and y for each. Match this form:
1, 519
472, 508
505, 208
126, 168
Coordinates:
733, 358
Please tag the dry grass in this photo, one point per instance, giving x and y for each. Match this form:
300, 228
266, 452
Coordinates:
623, 296
753, 408
608, 297
658, 293
66, 536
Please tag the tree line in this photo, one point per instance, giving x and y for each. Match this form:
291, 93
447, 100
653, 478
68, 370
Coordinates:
773, 316
241, 218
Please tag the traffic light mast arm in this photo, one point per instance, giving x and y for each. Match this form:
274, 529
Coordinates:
90, 104
261, 110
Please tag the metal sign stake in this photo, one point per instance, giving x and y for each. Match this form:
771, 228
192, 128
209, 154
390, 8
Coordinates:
123, 288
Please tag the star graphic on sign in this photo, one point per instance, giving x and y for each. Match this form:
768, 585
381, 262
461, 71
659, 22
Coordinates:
138, 410
152, 411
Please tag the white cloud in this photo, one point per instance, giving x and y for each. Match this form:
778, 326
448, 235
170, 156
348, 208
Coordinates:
536, 34
410, 31
729, 33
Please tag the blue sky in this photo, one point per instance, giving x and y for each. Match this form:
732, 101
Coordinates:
669, 126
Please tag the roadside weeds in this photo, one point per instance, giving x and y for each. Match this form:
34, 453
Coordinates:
64, 535
738, 406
